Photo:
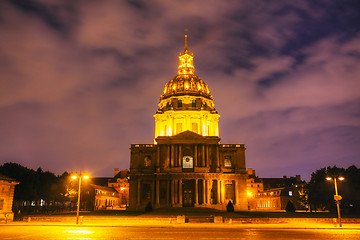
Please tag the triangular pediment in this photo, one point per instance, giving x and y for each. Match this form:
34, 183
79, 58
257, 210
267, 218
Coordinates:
187, 137
188, 134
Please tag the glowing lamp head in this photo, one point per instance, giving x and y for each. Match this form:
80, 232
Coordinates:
74, 177
329, 178
341, 178
249, 193
86, 177
122, 189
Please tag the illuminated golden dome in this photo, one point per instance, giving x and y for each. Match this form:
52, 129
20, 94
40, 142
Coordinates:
188, 84
186, 103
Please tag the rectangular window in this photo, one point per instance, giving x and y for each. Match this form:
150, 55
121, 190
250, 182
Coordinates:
146, 192
179, 103
188, 162
227, 161
147, 161
229, 191
178, 128
194, 103
194, 127
1, 204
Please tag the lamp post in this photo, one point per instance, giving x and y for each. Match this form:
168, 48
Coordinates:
337, 197
249, 200
80, 177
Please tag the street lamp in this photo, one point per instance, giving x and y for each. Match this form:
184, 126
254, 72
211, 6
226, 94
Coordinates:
80, 177
337, 197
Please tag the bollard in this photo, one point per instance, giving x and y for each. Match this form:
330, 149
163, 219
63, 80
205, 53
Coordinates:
218, 219
29, 219
6, 215
81, 219
180, 219
335, 222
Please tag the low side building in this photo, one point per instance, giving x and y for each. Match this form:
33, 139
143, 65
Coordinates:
272, 199
120, 183
7, 188
105, 198
254, 186
277, 193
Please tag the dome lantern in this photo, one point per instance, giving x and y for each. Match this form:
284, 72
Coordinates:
186, 61
186, 103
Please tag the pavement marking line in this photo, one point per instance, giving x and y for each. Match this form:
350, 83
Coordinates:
152, 238
30, 236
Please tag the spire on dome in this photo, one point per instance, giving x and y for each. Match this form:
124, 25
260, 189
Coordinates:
186, 65
186, 44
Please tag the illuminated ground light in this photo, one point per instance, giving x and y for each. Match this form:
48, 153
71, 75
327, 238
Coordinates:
78, 234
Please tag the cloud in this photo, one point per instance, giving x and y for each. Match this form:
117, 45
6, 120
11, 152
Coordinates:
81, 81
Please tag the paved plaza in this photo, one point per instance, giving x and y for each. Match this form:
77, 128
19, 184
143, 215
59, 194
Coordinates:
164, 224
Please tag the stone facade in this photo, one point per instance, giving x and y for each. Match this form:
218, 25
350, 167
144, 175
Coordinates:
120, 183
105, 198
7, 188
188, 170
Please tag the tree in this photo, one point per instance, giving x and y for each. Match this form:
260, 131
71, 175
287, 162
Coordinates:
36, 185
27, 188
230, 207
148, 207
290, 207
321, 192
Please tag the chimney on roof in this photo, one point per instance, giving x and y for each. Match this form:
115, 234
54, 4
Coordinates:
251, 171
116, 171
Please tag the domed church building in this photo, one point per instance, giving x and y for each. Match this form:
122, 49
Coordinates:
187, 166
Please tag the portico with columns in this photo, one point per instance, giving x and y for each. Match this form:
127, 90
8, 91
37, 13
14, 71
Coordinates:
188, 170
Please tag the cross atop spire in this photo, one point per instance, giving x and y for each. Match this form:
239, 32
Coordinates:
186, 44
186, 65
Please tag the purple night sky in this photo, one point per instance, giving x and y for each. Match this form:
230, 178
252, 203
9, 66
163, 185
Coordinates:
81, 80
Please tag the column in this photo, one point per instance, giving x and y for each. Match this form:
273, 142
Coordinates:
168, 192
195, 156
208, 190
138, 192
180, 156
223, 191
173, 125
167, 164
157, 191
172, 192
204, 191
237, 199
217, 156
180, 192
153, 197
196, 192
176, 191
203, 155
218, 191
158, 157
176, 160
207, 156
156, 128
172, 156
